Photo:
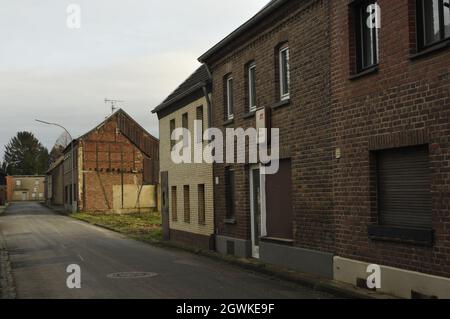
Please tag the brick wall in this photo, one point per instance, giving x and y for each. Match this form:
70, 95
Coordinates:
108, 159
31, 188
2, 195
304, 122
406, 102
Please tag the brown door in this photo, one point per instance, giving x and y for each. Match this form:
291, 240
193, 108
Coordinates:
165, 204
279, 202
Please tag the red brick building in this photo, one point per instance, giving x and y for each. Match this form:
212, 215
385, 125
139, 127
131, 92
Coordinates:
390, 90
277, 64
116, 169
363, 108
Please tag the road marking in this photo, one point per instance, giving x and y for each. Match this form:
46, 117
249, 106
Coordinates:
81, 258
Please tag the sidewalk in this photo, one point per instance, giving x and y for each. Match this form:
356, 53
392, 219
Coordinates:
58, 209
311, 281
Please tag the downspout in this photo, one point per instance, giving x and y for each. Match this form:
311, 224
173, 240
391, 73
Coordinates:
121, 177
208, 101
210, 114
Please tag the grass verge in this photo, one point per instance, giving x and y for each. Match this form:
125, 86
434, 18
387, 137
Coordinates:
141, 226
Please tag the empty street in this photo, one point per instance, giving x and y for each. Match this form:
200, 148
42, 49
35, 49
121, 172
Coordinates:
43, 244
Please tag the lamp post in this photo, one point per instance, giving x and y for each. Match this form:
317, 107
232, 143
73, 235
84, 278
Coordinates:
72, 160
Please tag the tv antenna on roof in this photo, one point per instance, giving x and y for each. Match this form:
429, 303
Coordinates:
113, 103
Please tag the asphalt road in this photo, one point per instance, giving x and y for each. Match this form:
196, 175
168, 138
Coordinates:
42, 244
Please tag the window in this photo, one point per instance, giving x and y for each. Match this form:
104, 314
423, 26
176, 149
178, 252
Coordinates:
285, 77
185, 121
366, 34
18, 183
251, 78
174, 204
201, 204
172, 128
230, 192
404, 191
433, 21
229, 98
187, 204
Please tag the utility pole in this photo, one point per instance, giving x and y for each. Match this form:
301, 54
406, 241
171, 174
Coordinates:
74, 208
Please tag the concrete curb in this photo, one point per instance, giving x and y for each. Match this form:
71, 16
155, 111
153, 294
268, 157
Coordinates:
314, 282
7, 286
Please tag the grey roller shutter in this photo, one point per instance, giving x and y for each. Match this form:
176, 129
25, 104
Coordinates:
404, 194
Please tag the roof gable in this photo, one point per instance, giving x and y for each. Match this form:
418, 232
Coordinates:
200, 78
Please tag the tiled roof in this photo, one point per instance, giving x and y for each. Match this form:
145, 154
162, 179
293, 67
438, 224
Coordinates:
198, 79
55, 164
268, 9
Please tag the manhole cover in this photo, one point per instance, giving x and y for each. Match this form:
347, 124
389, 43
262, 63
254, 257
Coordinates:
132, 275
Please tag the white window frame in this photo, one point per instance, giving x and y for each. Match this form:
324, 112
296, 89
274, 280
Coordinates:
251, 108
284, 96
230, 116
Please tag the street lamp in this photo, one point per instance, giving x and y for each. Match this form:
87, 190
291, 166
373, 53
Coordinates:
72, 160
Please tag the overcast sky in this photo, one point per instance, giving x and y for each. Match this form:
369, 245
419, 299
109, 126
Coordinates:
134, 50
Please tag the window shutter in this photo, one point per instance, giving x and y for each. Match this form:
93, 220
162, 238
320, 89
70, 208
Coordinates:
404, 193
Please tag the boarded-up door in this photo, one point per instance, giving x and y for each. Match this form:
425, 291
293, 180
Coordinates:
279, 202
165, 204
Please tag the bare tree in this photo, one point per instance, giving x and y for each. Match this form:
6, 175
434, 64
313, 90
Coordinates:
60, 145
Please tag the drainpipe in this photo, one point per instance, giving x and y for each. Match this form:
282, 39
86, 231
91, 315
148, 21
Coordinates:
210, 113
208, 101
